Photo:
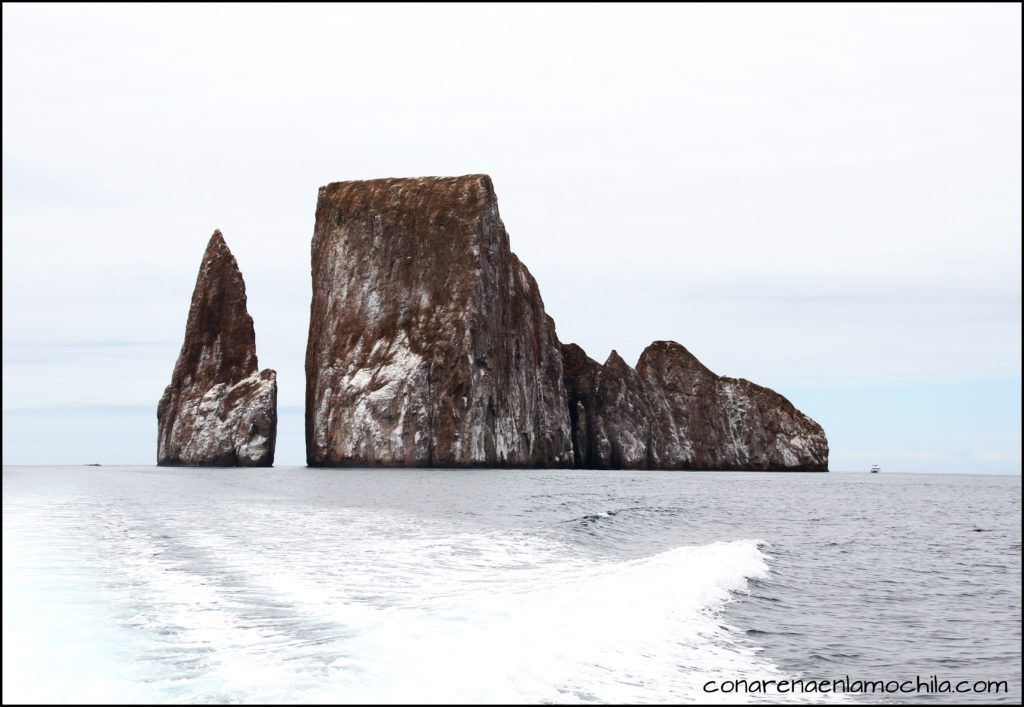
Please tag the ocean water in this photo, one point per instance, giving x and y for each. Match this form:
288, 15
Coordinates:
141, 584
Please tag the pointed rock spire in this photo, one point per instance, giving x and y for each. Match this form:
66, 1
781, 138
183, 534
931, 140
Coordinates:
219, 409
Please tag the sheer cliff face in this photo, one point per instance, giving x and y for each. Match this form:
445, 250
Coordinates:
429, 346
219, 409
428, 341
673, 413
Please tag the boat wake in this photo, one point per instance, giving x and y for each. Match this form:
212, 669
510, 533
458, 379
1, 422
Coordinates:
344, 605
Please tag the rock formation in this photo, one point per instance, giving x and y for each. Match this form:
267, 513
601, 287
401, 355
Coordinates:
428, 341
429, 346
671, 412
220, 409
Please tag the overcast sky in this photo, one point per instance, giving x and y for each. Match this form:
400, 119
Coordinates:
822, 199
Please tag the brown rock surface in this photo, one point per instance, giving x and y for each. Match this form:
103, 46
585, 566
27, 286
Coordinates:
428, 341
429, 346
671, 412
219, 409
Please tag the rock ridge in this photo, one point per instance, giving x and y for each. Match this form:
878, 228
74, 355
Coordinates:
672, 412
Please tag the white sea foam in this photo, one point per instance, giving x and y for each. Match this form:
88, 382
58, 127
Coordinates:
356, 605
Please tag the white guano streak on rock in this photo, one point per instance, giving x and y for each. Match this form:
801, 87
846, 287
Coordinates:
380, 393
217, 430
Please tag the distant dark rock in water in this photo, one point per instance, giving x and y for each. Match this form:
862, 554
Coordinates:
429, 346
671, 412
428, 341
220, 409
92, 465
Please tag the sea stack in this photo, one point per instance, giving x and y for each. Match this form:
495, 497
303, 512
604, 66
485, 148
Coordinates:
671, 412
429, 346
219, 409
428, 341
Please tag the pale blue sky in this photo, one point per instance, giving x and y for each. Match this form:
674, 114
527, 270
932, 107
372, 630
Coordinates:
821, 199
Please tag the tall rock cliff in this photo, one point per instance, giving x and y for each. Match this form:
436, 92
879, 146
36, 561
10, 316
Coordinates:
429, 346
671, 412
428, 341
220, 409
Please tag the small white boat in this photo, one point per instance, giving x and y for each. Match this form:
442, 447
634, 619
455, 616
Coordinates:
875, 468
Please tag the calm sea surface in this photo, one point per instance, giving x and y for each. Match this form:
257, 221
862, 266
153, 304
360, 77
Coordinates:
302, 585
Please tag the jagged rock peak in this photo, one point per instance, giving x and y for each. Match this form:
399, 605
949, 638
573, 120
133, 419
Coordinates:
220, 339
428, 341
219, 409
614, 359
675, 351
